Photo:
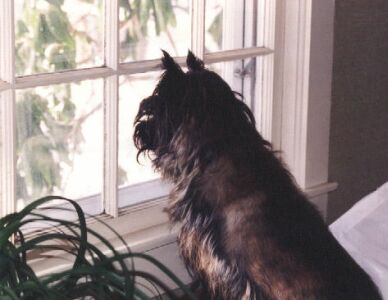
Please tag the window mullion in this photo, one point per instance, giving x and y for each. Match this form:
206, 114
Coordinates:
198, 27
7, 109
278, 57
111, 97
264, 103
7, 150
7, 41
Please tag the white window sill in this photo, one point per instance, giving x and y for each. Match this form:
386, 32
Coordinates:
145, 228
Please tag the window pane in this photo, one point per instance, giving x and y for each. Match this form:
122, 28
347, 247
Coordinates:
241, 77
59, 141
148, 26
58, 35
229, 25
133, 89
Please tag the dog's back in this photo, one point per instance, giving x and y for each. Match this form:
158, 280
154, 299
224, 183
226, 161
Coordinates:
250, 226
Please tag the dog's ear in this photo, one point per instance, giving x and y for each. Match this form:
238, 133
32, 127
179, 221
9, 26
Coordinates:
193, 62
169, 64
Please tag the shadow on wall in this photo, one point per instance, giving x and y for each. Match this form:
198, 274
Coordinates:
359, 114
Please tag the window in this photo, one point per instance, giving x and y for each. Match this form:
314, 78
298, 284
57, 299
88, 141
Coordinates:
86, 89
72, 79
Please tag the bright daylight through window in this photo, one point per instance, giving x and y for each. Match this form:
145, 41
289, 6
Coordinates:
72, 74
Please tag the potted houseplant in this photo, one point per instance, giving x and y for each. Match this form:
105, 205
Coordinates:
93, 273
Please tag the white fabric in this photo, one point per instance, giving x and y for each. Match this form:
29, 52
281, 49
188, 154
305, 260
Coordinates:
363, 232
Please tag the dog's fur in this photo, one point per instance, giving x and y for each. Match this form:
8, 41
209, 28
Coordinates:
247, 231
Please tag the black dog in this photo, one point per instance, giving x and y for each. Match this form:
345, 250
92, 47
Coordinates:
247, 231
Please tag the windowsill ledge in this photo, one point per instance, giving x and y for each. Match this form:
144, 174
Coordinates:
145, 227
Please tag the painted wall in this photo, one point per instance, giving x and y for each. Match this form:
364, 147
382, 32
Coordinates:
358, 158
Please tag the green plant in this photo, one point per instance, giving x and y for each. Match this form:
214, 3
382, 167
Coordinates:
93, 274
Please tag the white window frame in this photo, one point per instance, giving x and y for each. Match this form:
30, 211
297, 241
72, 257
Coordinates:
292, 106
305, 65
110, 73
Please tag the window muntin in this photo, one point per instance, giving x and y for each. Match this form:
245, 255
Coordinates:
116, 194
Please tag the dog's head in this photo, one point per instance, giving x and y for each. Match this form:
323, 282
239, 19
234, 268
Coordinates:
188, 111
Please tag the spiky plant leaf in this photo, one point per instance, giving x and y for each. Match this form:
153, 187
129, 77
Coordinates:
93, 274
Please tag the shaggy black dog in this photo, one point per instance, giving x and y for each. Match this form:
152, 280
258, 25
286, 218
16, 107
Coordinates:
247, 231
